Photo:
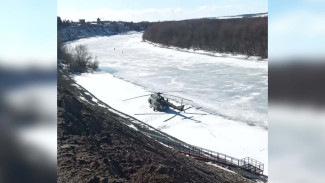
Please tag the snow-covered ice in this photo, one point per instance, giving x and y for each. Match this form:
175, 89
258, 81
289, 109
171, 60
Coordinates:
234, 90
231, 87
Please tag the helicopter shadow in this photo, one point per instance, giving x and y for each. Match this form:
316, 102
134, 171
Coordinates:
178, 113
175, 113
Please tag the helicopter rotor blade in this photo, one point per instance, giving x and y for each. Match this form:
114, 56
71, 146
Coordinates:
172, 91
149, 114
196, 113
164, 92
179, 97
135, 97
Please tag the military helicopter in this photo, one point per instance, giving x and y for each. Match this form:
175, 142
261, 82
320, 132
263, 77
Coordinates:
160, 103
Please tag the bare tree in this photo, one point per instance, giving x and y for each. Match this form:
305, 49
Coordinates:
82, 60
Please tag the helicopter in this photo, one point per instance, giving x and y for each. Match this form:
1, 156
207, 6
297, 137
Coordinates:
160, 103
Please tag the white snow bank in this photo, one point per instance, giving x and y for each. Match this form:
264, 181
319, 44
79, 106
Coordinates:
132, 126
209, 163
208, 131
210, 53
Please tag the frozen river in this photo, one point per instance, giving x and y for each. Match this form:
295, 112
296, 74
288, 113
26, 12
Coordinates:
233, 88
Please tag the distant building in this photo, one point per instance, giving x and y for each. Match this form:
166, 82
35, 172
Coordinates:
82, 21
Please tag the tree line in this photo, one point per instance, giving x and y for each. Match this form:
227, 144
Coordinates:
131, 26
240, 36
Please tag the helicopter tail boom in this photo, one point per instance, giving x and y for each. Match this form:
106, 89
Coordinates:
180, 108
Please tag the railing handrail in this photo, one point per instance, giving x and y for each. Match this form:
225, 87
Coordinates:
209, 154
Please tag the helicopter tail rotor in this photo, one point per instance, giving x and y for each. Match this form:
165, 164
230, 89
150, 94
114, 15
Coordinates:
182, 108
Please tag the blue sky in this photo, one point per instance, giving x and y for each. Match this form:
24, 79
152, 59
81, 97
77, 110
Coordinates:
146, 4
159, 10
296, 28
28, 30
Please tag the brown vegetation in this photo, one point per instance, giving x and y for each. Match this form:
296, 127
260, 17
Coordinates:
78, 59
240, 36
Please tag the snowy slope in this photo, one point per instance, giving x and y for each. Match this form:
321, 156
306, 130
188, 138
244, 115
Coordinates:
234, 90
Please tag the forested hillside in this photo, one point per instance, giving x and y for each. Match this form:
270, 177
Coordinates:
240, 36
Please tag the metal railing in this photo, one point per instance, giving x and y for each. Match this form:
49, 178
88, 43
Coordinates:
248, 164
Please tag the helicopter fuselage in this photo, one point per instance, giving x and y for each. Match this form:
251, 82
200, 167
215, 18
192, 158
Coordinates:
159, 103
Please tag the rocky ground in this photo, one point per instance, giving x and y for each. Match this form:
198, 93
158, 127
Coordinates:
95, 146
